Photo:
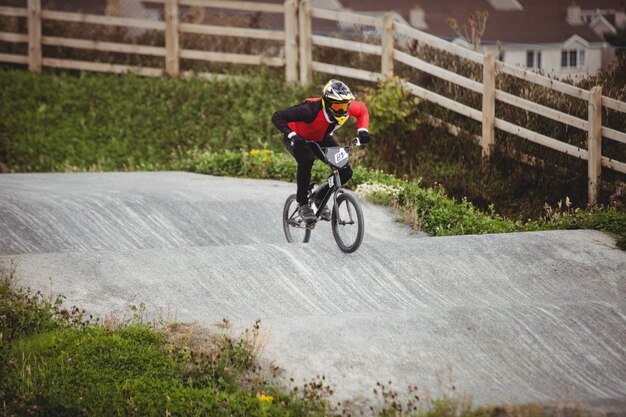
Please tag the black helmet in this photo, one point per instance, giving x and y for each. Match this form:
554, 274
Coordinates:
336, 98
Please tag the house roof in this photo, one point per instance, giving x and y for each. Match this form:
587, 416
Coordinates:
76, 6
540, 21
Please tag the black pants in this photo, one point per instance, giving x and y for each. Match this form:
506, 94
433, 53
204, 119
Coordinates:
305, 157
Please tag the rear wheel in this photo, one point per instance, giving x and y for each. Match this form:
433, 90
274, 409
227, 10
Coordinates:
296, 230
348, 223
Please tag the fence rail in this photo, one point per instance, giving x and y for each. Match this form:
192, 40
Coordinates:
13, 11
101, 20
172, 28
487, 89
298, 42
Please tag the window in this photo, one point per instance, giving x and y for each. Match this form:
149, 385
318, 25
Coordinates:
533, 59
573, 58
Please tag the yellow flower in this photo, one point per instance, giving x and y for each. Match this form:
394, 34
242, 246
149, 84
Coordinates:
255, 152
267, 151
266, 159
264, 398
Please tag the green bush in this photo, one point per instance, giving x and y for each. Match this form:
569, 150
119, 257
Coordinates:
61, 369
25, 312
107, 122
428, 209
395, 116
393, 111
69, 372
54, 362
517, 189
136, 369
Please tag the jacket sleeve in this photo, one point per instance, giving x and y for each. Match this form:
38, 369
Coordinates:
300, 113
358, 109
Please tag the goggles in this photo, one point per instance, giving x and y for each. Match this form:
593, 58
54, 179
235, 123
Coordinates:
340, 107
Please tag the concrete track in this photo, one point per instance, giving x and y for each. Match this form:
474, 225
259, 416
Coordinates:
517, 317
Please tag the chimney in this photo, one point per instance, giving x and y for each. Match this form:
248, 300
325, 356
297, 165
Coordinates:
620, 17
417, 17
574, 14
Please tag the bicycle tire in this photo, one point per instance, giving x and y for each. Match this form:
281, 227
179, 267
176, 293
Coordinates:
294, 227
347, 212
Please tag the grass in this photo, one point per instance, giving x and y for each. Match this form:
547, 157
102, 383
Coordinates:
428, 209
55, 361
59, 122
59, 361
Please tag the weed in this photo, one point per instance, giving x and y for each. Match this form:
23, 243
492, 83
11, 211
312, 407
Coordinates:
427, 209
64, 369
91, 122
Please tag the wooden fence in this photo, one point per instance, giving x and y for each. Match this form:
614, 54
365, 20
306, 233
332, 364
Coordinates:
171, 27
299, 40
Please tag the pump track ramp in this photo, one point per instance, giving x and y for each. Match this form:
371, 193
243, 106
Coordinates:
516, 318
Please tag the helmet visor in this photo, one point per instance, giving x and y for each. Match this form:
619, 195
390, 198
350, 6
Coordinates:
339, 108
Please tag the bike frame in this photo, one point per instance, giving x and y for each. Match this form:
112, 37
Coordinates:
337, 158
335, 187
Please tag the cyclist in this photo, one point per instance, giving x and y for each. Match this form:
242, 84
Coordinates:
315, 119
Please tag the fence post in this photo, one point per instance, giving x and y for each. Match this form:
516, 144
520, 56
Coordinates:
34, 35
172, 46
487, 141
306, 46
594, 153
387, 46
291, 41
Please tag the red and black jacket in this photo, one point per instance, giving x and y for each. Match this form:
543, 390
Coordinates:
309, 120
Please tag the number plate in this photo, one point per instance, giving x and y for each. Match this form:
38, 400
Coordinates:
340, 156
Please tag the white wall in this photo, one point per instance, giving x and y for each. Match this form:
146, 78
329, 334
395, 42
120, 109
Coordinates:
551, 61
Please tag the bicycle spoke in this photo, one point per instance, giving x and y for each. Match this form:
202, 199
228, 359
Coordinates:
341, 214
347, 226
295, 228
348, 205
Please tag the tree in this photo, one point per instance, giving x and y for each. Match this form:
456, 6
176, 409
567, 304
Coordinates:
473, 33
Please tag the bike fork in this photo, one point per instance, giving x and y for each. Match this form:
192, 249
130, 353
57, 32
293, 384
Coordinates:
336, 190
336, 186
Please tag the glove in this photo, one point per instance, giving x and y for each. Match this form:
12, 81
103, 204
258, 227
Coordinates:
364, 137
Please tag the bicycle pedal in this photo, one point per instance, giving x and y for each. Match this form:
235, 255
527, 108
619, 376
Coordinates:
326, 217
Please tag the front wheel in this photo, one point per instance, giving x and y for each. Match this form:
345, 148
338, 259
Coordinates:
296, 230
348, 223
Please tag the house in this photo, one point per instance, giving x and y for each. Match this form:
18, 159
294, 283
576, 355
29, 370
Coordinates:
562, 38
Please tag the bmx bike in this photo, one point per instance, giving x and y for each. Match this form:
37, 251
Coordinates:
346, 221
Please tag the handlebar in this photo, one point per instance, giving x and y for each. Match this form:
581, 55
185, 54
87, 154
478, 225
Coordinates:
353, 142
356, 140
319, 151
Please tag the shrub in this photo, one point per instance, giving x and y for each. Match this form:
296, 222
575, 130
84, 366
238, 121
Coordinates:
393, 111
55, 363
70, 372
517, 189
108, 122
137, 370
429, 209
24, 312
